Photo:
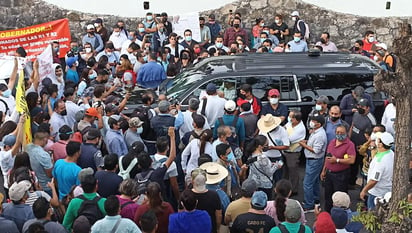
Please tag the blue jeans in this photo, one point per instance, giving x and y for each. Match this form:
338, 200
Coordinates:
371, 201
311, 182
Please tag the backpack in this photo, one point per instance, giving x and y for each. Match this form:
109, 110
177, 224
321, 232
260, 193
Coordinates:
307, 31
90, 209
283, 229
125, 174
394, 62
142, 113
233, 140
142, 182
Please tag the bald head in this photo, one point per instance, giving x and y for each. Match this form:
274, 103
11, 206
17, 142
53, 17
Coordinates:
335, 113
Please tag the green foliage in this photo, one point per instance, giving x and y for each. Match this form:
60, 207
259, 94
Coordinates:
370, 219
405, 211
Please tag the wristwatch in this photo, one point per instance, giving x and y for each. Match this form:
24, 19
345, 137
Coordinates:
337, 160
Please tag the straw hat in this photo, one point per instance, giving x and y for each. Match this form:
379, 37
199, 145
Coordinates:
214, 172
268, 123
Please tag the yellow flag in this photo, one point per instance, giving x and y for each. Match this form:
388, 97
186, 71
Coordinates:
21, 107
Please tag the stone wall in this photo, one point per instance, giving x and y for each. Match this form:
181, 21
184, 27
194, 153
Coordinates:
343, 28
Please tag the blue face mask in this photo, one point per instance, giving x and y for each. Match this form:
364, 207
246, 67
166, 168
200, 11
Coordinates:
92, 76
7, 93
231, 156
149, 17
296, 39
168, 56
340, 137
139, 130
145, 58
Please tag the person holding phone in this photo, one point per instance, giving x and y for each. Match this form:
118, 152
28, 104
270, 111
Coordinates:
340, 155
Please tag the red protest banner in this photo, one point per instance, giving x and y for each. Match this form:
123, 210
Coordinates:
34, 39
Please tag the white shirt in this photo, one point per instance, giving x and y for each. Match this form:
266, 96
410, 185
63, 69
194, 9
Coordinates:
295, 134
381, 170
214, 47
131, 56
276, 135
388, 118
56, 121
188, 124
118, 40
193, 149
6, 163
215, 108
11, 103
71, 109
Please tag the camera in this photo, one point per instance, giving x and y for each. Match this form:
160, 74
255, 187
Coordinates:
158, 15
329, 155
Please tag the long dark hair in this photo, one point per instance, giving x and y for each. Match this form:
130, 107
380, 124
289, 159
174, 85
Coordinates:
283, 188
7, 128
259, 140
205, 137
155, 197
22, 159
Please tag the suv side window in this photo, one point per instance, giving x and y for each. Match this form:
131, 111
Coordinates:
226, 85
335, 86
262, 84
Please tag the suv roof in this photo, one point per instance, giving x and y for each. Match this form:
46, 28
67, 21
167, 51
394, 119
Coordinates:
288, 62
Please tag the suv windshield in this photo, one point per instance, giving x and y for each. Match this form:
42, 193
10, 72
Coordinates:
181, 83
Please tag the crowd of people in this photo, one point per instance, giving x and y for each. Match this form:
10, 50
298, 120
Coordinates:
223, 165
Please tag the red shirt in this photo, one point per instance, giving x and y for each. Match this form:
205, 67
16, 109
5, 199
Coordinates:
231, 34
368, 46
347, 147
162, 216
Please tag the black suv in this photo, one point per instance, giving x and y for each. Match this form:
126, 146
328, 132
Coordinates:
300, 78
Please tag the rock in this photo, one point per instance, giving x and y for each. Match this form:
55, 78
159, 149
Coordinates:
258, 4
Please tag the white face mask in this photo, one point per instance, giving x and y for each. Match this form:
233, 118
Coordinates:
88, 50
294, 18
371, 39
375, 58
318, 107
277, 21
312, 125
274, 100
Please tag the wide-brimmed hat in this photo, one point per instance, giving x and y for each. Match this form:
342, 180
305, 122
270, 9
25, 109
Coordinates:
214, 172
268, 123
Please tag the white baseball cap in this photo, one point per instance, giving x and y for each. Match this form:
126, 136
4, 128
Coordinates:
295, 13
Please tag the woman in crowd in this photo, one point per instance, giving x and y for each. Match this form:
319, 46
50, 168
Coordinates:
276, 209
194, 149
154, 202
261, 169
128, 206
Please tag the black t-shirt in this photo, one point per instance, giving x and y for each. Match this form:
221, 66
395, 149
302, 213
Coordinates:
252, 223
282, 27
210, 202
108, 183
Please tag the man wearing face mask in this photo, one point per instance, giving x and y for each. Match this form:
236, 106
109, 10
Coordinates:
167, 24
274, 107
58, 118
160, 37
188, 42
149, 23
321, 108
246, 94
117, 38
297, 44
348, 104
90, 154
122, 27
340, 155
358, 49
101, 30
218, 44
299, 25
362, 120
93, 38
132, 134
111, 54
296, 132
326, 44
332, 121
277, 137
315, 148
380, 171
368, 41
232, 32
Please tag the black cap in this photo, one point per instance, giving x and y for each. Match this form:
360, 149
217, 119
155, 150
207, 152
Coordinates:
318, 118
98, 20
364, 102
93, 133
65, 129
163, 14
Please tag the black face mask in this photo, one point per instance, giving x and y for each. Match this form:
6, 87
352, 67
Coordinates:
242, 96
357, 48
63, 113
361, 111
201, 25
334, 118
323, 41
236, 25
265, 148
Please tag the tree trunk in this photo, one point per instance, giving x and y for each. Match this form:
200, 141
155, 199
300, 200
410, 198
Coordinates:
399, 85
